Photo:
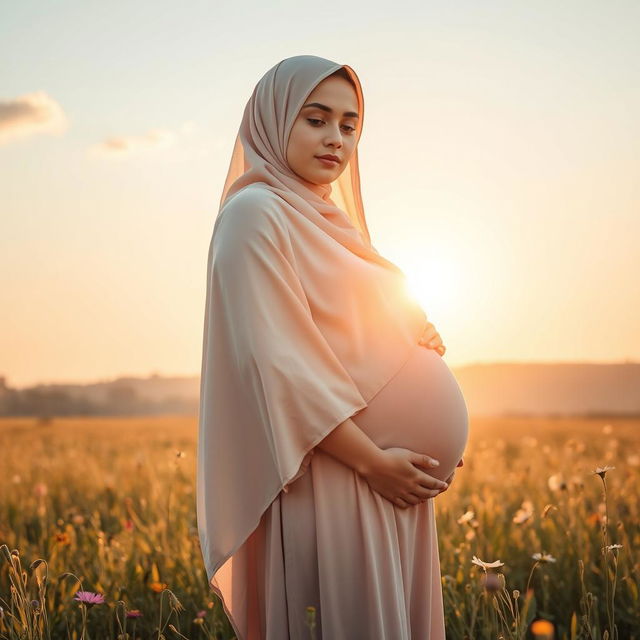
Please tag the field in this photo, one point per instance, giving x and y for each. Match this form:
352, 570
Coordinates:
108, 506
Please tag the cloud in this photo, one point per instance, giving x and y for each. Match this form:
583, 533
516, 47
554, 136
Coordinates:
153, 139
30, 114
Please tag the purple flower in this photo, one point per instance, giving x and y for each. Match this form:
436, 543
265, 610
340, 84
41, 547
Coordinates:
89, 598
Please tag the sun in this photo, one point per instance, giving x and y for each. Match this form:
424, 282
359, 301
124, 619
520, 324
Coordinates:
434, 280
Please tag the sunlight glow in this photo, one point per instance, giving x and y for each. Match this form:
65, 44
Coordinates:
434, 281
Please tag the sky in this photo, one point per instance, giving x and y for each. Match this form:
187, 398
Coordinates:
500, 168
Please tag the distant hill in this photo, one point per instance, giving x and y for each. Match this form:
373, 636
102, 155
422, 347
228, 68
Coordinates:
489, 389
551, 388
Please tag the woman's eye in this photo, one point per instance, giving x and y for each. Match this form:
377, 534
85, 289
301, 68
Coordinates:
315, 122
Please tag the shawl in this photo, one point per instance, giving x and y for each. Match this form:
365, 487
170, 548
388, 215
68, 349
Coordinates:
304, 320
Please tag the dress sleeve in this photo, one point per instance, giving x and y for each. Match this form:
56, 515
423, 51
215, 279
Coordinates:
271, 386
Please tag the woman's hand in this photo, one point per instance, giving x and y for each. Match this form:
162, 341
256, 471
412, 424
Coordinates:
431, 339
395, 476
449, 480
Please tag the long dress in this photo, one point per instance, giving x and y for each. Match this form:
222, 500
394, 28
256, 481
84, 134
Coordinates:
369, 568
301, 333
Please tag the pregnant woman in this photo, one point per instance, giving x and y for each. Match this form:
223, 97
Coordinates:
326, 426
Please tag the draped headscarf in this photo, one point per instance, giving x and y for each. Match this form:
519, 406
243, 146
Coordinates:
304, 320
259, 154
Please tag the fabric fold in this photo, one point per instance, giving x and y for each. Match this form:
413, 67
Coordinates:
289, 387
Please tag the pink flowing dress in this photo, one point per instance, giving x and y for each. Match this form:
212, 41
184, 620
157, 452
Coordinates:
369, 568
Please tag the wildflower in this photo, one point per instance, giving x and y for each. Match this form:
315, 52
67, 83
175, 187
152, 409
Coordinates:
40, 489
158, 586
487, 565
201, 614
128, 524
543, 557
89, 598
524, 513
542, 628
602, 471
556, 482
612, 547
63, 538
174, 603
134, 613
77, 519
466, 517
35, 605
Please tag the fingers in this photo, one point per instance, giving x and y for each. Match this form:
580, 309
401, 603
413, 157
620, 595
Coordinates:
416, 497
431, 338
429, 482
399, 502
424, 460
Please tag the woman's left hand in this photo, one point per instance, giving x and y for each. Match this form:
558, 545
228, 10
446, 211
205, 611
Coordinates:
431, 339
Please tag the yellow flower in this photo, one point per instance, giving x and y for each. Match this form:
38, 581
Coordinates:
542, 629
158, 586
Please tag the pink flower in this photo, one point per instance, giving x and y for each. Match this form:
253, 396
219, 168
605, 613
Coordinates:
201, 614
89, 598
40, 489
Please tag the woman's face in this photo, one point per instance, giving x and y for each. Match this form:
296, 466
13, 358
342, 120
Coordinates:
327, 124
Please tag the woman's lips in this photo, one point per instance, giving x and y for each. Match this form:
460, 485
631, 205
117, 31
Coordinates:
327, 162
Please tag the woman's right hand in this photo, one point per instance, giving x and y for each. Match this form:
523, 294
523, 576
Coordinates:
394, 476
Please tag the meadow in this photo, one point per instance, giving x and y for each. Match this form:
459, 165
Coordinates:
533, 542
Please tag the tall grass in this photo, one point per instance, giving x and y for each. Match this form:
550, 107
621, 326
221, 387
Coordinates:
107, 506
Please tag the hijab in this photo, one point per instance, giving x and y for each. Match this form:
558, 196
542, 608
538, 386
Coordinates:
304, 320
259, 154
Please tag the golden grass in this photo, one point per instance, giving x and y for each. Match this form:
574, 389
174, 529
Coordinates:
112, 501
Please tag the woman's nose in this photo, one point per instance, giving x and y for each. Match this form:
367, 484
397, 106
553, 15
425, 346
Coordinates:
334, 138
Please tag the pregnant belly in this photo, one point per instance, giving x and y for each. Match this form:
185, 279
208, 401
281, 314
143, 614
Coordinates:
421, 408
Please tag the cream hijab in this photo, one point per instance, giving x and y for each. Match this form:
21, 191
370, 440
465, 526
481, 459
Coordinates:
259, 153
304, 321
